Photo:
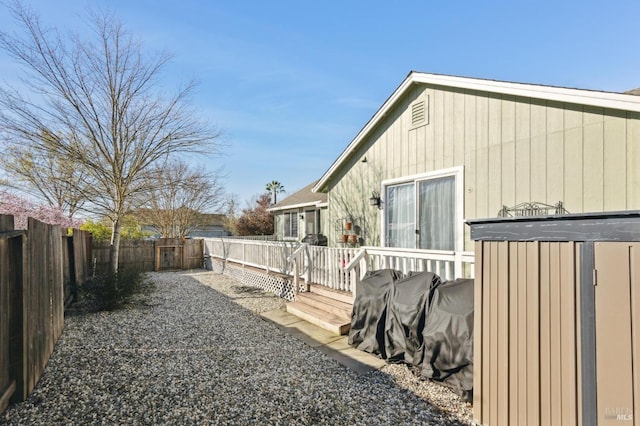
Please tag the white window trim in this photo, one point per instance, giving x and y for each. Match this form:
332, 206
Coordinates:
291, 238
458, 173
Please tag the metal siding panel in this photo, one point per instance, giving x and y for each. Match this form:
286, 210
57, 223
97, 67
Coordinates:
578, 259
634, 272
613, 332
521, 285
513, 323
493, 326
554, 332
478, 334
503, 334
568, 333
615, 163
488, 332
533, 333
545, 337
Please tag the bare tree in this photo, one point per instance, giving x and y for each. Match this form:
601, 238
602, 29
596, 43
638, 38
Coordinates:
178, 198
99, 98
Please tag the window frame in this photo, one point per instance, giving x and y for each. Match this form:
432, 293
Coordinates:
458, 174
294, 217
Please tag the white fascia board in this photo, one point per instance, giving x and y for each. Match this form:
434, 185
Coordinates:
595, 98
611, 100
295, 206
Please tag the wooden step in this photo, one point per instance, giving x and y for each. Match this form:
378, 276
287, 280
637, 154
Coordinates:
343, 296
331, 322
334, 306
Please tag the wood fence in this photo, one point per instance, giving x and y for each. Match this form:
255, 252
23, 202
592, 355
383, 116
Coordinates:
39, 268
164, 254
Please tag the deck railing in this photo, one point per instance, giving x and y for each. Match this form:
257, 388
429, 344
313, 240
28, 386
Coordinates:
336, 268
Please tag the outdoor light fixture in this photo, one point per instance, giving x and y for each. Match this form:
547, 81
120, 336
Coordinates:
375, 199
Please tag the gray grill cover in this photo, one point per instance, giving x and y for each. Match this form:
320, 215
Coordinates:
448, 337
418, 320
406, 310
370, 310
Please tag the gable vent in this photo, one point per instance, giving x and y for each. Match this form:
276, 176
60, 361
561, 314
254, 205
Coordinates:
417, 113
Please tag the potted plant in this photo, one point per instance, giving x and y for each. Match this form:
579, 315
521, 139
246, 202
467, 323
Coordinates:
348, 225
353, 238
344, 238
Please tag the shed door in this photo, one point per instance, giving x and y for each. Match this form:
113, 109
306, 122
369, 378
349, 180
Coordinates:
617, 317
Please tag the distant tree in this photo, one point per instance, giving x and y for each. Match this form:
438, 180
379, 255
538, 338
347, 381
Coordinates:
230, 214
101, 229
256, 220
274, 187
99, 99
47, 176
178, 198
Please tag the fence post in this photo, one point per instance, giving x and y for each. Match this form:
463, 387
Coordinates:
296, 279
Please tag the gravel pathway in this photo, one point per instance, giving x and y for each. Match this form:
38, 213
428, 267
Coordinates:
192, 356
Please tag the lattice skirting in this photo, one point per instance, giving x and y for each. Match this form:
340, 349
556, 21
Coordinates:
280, 286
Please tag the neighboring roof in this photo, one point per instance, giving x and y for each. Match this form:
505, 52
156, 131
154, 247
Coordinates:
302, 198
621, 101
212, 219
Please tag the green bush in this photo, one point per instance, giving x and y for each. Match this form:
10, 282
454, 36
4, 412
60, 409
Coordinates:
109, 292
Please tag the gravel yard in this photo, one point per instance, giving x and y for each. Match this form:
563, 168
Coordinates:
190, 355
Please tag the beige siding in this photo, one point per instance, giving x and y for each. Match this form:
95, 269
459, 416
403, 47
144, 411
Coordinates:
633, 160
525, 339
513, 150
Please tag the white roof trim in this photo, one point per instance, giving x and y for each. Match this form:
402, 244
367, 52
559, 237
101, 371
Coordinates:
611, 100
297, 206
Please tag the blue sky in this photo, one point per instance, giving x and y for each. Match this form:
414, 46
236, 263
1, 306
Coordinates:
292, 82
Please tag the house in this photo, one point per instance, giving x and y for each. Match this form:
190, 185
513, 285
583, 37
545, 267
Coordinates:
299, 215
209, 225
442, 149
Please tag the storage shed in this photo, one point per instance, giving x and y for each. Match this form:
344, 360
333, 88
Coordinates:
557, 319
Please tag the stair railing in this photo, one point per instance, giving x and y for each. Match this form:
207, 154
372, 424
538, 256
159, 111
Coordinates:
354, 264
300, 263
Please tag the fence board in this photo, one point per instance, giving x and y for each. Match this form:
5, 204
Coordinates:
33, 267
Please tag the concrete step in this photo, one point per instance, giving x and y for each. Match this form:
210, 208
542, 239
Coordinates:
327, 320
334, 306
343, 296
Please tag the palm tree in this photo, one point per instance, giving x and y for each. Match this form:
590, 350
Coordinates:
274, 187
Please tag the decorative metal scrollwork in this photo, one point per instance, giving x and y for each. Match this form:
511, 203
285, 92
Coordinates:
532, 208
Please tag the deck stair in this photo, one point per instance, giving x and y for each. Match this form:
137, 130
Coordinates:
324, 307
